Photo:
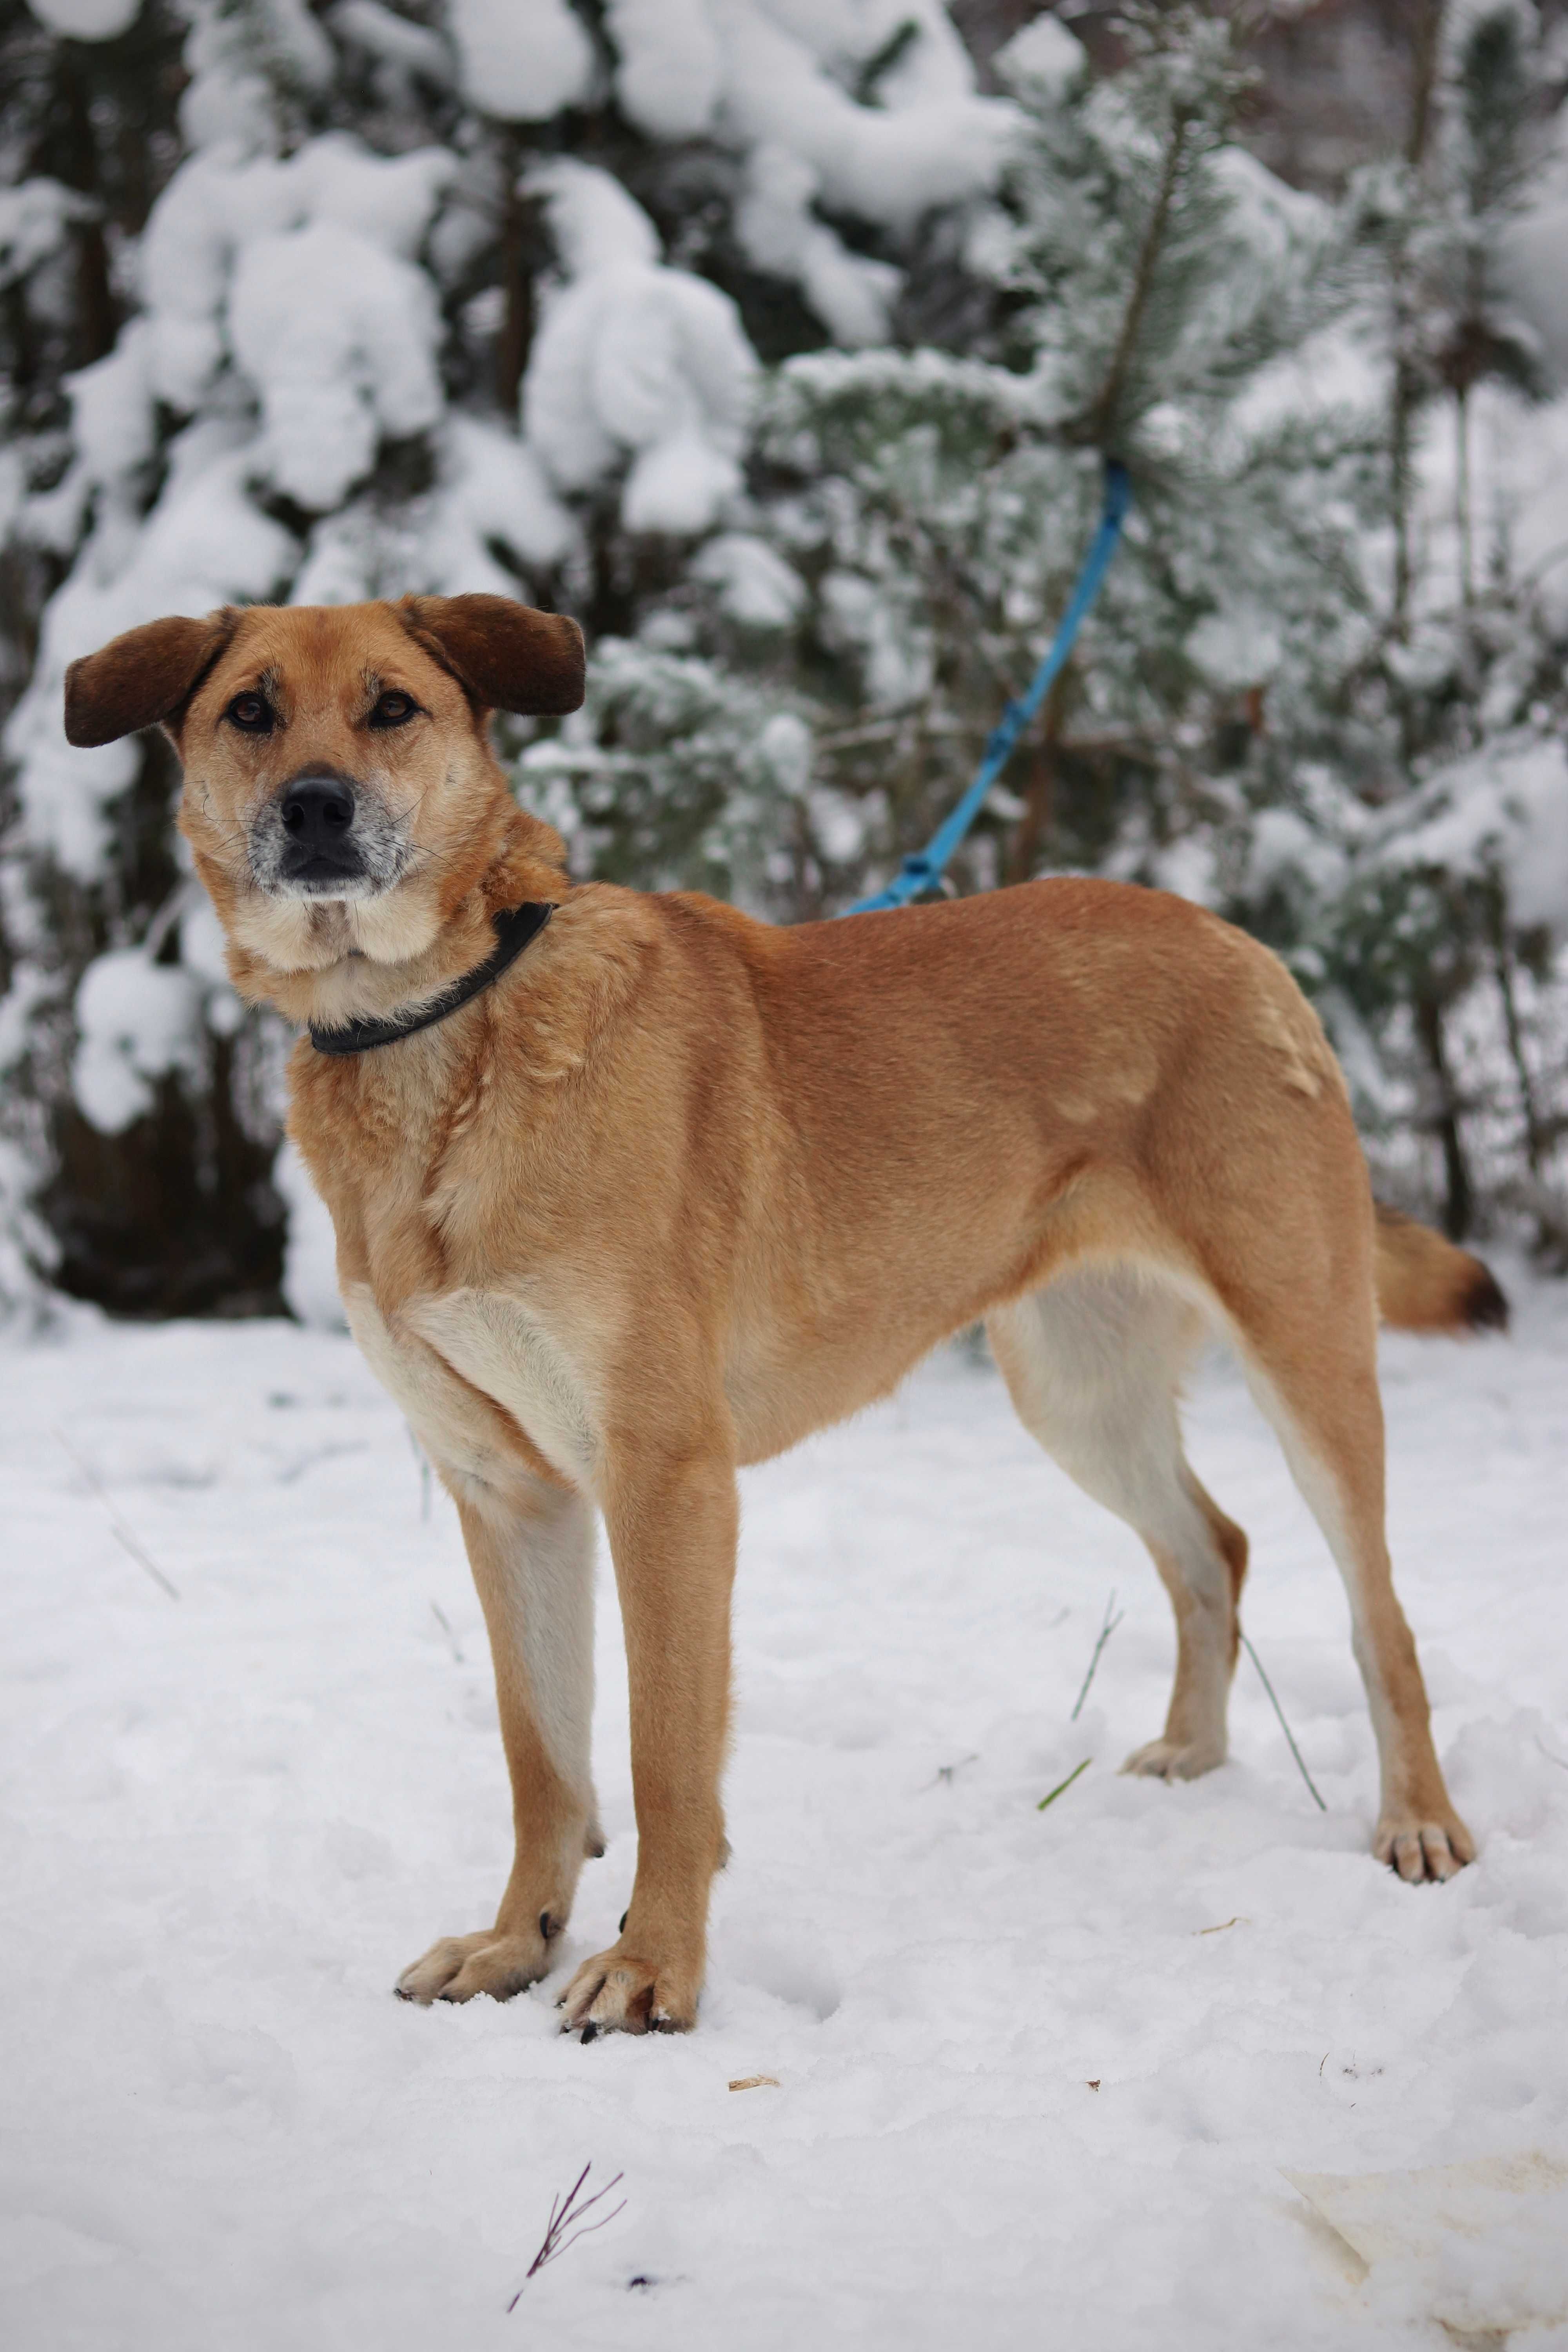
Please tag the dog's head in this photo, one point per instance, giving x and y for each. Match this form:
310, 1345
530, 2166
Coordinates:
342, 797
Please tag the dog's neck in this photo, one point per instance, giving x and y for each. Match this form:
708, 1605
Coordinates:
515, 931
351, 970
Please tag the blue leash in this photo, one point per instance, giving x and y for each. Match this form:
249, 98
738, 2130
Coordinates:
925, 869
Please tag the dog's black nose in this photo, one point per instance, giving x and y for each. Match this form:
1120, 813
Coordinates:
317, 811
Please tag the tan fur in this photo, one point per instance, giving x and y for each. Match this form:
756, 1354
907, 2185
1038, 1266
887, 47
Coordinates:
681, 1187
1425, 1284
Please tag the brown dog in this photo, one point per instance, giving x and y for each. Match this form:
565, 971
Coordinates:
675, 1188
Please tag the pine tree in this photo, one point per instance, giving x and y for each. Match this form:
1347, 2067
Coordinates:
385, 299
1149, 280
1438, 936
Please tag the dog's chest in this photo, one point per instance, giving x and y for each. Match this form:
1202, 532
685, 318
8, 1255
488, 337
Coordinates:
492, 1342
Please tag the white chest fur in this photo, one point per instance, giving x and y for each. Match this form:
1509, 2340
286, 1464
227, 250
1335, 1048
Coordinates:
499, 1345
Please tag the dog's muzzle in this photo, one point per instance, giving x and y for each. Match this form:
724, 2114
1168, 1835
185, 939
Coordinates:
325, 834
320, 849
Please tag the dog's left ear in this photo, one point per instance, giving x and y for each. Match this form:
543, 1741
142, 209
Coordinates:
143, 678
505, 656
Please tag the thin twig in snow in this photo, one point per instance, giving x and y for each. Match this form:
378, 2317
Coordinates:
123, 1534
440, 1616
946, 1771
1057, 1791
1560, 1761
1283, 1725
1106, 1630
565, 2214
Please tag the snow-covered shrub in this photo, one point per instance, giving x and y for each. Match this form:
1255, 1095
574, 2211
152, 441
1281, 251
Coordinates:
634, 361
674, 774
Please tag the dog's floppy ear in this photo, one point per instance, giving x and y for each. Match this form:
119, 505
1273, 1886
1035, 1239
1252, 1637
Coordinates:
505, 656
144, 677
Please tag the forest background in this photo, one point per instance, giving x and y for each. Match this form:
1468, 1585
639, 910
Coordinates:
783, 341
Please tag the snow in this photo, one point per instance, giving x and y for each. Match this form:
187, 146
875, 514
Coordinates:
633, 359
851, 294
216, 208
241, 62
1044, 55
522, 60
767, 78
1514, 2208
136, 1020
406, 47
887, 164
341, 338
34, 217
1504, 810
754, 585
309, 1255
234, 1816
87, 20
492, 488
668, 74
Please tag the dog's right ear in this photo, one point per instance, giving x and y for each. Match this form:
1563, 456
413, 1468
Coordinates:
143, 678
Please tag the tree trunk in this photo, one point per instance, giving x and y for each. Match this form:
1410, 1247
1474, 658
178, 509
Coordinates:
96, 319
1459, 1206
516, 278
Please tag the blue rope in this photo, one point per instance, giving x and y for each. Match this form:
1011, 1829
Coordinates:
925, 869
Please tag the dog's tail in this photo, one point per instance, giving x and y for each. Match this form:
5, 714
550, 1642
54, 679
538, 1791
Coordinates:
1425, 1284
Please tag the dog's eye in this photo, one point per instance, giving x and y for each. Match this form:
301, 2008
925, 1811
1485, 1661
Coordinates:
251, 713
394, 710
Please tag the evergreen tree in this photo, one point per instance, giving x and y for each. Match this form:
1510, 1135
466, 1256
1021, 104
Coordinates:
1436, 916
757, 338
268, 337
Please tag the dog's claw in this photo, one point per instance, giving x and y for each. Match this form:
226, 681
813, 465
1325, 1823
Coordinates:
458, 1967
1421, 1851
619, 1992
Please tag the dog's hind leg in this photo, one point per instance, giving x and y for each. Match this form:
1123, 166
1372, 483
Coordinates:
530, 1547
1307, 1335
1093, 1363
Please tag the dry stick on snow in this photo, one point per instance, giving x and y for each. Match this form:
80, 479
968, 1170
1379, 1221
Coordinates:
123, 1534
440, 1616
565, 2214
1105, 1631
1283, 1725
1056, 1792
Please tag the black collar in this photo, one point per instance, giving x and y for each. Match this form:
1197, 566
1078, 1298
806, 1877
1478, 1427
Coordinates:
514, 931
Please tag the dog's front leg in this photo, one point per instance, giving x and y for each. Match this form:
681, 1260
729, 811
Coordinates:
672, 1524
531, 1548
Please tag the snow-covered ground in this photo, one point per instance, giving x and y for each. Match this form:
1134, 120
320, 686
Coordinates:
1037, 2073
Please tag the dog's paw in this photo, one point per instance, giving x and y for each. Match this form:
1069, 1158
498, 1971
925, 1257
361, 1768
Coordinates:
618, 1992
1421, 1849
1170, 1759
458, 1967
